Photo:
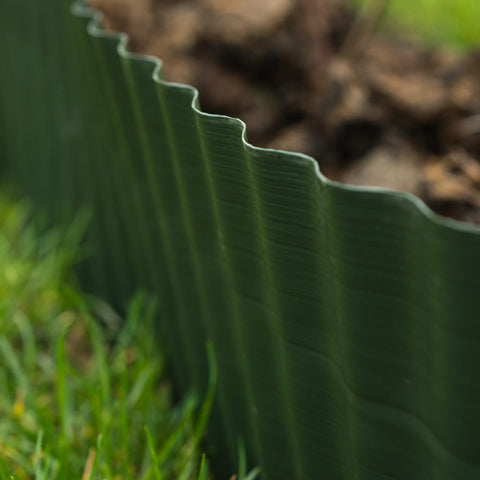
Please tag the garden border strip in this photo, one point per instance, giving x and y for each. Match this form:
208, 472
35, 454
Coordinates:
345, 320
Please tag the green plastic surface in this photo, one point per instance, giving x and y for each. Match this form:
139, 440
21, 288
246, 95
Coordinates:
345, 321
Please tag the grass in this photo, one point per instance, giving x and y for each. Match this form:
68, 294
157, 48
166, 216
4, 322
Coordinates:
452, 23
78, 400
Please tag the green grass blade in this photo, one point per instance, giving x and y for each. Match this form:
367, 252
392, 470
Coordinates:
206, 408
13, 363
203, 472
242, 460
37, 463
64, 402
253, 474
153, 454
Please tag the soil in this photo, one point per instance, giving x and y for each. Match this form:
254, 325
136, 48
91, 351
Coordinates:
314, 76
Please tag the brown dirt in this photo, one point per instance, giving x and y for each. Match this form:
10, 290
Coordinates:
312, 76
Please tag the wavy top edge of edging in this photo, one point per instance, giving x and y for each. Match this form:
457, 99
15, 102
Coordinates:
79, 8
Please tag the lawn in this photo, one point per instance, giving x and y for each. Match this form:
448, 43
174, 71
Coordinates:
83, 392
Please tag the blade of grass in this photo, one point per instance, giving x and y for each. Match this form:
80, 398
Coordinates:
134, 317
203, 472
187, 471
102, 462
175, 437
50, 468
89, 464
3, 469
37, 457
11, 360
253, 474
202, 421
100, 359
124, 412
64, 405
155, 460
29, 350
142, 381
242, 460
